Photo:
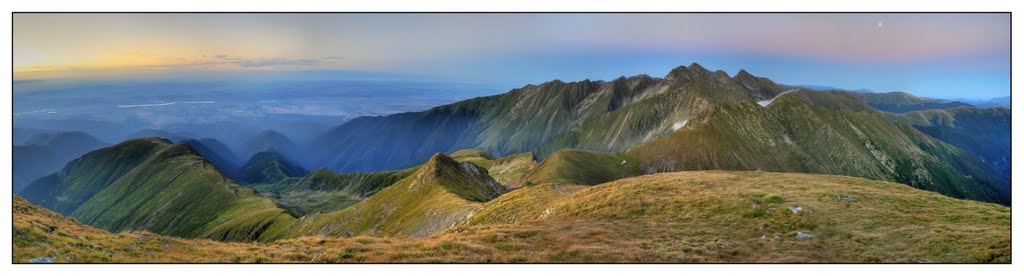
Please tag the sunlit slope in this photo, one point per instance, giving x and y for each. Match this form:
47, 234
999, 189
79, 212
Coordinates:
151, 184
595, 115
715, 216
438, 194
710, 216
324, 191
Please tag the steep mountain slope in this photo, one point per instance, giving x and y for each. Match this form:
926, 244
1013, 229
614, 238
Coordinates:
216, 152
823, 133
594, 115
703, 217
152, 184
441, 192
269, 140
269, 167
814, 132
45, 153
899, 102
984, 132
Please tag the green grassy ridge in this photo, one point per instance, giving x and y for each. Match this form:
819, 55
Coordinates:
67, 189
537, 118
154, 185
982, 131
438, 194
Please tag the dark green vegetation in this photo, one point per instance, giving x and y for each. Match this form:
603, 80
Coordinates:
704, 217
158, 186
593, 115
899, 102
982, 131
45, 152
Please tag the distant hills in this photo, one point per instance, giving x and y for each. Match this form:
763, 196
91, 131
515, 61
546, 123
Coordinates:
269, 141
46, 152
899, 102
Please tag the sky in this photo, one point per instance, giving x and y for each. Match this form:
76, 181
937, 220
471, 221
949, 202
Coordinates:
932, 55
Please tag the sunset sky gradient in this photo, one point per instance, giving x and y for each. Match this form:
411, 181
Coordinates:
937, 55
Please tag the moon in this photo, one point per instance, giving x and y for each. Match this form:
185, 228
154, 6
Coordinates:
879, 24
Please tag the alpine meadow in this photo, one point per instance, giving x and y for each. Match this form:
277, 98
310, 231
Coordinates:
511, 138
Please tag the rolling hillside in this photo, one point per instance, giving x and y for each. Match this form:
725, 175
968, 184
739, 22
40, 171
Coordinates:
687, 217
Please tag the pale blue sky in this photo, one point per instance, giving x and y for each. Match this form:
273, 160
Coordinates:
935, 55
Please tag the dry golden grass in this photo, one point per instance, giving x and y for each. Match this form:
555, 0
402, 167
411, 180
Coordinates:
685, 217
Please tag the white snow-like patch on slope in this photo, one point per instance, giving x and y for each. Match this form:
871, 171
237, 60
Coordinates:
768, 102
680, 124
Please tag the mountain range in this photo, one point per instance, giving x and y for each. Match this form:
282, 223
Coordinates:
638, 155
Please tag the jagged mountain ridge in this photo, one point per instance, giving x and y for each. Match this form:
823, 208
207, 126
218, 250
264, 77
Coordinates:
537, 118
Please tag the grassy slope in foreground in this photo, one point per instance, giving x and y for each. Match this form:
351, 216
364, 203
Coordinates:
710, 216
